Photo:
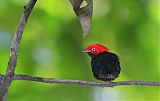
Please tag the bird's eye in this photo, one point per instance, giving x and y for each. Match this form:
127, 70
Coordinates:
93, 49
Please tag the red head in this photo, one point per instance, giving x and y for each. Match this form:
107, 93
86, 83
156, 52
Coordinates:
95, 49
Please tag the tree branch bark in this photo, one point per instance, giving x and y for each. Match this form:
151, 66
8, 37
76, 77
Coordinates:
5, 81
85, 83
2, 88
18, 36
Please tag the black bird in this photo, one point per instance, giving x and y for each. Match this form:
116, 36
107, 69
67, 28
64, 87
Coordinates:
105, 65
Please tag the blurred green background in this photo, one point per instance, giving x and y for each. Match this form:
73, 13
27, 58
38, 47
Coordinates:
52, 44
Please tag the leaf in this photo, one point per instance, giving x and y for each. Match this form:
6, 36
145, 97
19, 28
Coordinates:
84, 13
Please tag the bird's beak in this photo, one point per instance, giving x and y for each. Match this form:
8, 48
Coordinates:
85, 51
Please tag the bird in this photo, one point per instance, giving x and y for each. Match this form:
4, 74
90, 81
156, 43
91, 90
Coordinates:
105, 65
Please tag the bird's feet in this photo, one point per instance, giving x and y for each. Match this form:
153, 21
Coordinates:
107, 84
110, 85
102, 84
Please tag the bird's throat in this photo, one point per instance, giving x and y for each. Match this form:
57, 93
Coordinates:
91, 55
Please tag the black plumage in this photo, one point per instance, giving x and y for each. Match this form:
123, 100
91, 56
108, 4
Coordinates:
105, 66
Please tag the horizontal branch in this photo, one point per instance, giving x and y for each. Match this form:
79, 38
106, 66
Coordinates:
85, 83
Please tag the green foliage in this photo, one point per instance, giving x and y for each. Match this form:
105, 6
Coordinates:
52, 44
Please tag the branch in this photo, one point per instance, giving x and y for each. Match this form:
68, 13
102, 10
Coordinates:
85, 83
18, 36
5, 81
2, 87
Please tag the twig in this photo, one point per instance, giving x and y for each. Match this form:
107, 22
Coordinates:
85, 83
5, 81
18, 36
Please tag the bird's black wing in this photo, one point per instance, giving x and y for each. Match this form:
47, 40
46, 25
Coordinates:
106, 66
